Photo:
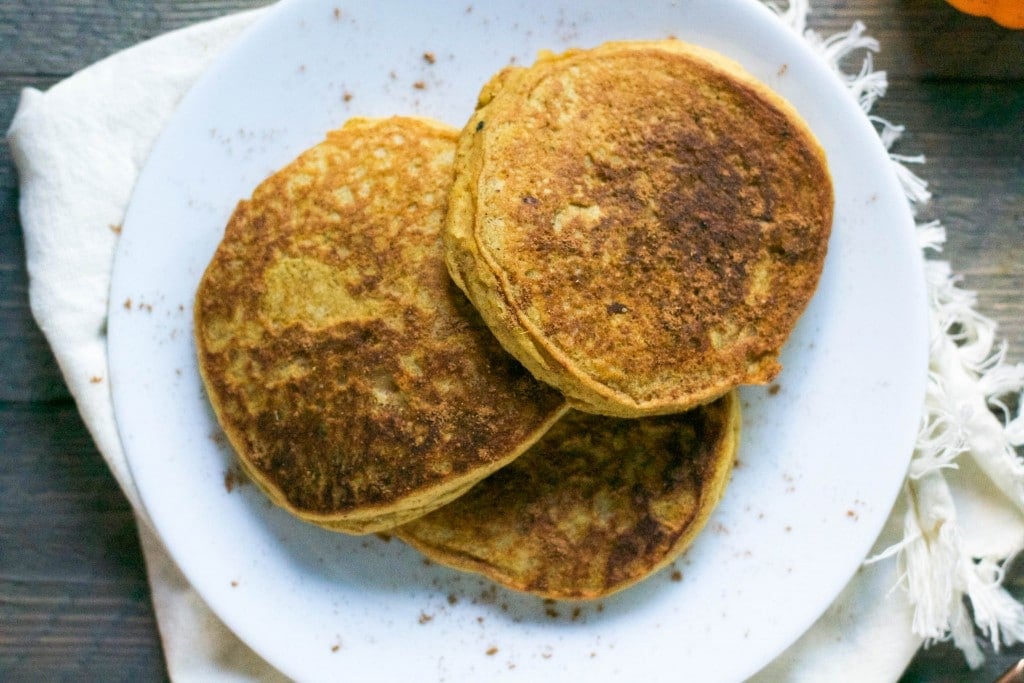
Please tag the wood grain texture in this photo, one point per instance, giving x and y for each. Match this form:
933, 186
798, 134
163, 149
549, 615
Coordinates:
972, 136
74, 603
927, 39
60, 37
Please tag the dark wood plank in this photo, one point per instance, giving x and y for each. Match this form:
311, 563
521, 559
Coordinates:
77, 631
972, 135
59, 37
928, 39
73, 592
74, 602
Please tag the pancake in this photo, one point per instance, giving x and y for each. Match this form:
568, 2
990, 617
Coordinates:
640, 224
356, 383
595, 506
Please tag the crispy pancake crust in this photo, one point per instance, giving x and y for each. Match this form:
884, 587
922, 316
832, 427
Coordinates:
356, 383
594, 506
640, 224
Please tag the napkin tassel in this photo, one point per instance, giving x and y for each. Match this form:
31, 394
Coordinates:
968, 377
938, 574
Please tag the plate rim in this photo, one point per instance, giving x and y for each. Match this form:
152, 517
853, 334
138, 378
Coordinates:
265, 23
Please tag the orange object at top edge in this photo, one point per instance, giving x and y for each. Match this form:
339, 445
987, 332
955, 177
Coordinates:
1007, 13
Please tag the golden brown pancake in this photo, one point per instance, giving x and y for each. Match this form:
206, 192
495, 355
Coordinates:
640, 224
354, 380
594, 506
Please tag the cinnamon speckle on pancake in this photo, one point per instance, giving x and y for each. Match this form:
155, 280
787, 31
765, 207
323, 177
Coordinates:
594, 506
356, 383
651, 177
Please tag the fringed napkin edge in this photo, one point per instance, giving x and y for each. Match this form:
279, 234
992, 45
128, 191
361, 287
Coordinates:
972, 409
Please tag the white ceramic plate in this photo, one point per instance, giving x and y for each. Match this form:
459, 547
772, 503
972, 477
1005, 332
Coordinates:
822, 457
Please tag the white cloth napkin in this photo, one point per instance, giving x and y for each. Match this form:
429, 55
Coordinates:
79, 148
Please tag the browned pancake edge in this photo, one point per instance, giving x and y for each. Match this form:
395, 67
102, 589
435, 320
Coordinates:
595, 506
640, 224
356, 383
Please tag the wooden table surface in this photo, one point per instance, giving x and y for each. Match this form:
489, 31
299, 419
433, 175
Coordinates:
74, 602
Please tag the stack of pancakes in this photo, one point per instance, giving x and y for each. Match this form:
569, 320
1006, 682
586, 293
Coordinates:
517, 345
